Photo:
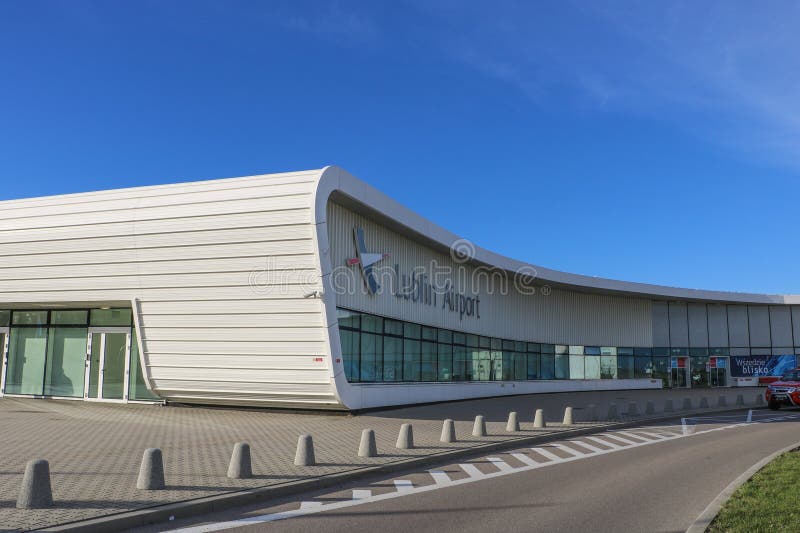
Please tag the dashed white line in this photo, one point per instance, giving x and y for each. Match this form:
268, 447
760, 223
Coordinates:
362, 494
590, 447
522, 458
403, 485
440, 477
550, 455
500, 464
471, 470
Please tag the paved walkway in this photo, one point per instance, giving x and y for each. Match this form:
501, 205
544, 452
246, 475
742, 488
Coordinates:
95, 449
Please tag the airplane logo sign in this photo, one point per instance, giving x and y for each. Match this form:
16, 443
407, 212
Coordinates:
366, 260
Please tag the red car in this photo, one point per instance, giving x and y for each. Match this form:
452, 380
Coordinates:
785, 391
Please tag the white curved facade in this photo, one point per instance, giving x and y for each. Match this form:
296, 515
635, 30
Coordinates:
235, 285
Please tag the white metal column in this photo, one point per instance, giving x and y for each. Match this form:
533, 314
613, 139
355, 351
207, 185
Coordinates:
4, 360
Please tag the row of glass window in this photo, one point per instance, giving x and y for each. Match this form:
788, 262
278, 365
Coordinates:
47, 354
377, 349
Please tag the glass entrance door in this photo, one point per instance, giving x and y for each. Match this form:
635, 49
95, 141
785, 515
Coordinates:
107, 364
718, 371
679, 372
3, 358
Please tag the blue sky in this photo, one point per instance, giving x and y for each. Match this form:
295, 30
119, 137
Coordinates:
646, 141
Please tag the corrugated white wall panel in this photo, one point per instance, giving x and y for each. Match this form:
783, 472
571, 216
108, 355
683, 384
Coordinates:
557, 316
222, 271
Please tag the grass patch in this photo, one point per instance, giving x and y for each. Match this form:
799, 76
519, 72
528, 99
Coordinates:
768, 502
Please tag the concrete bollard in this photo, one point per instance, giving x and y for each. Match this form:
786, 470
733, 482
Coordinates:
703, 403
513, 423
759, 399
448, 431
405, 440
305, 451
633, 409
740, 399
151, 473
650, 407
240, 466
687, 404
35, 492
612, 411
567, 416
669, 405
538, 419
479, 429
722, 401
368, 447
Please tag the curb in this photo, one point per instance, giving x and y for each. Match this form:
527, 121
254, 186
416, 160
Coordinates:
710, 513
210, 504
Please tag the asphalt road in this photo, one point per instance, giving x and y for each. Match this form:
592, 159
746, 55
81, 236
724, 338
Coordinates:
661, 486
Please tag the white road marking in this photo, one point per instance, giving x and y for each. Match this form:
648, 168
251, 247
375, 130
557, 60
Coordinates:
598, 440
403, 485
550, 455
590, 447
634, 436
441, 480
500, 464
567, 449
471, 470
362, 494
617, 437
439, 477
522, 458
309, 505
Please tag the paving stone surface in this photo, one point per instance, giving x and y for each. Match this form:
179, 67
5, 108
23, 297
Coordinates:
95, 449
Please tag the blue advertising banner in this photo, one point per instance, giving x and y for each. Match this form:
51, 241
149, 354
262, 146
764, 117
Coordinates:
761, 365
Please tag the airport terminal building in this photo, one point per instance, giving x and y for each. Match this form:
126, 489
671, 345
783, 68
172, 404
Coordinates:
314, 290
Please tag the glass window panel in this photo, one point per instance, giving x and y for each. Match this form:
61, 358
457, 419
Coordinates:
508, 345
393, 327
5, 318
371, 324
94, 367
562, 366
76, 318
547, 368
643, 367
721, 351
482, 364
699, 371
114, 365
508, 365
659, 351
608, 350
519, 346
348, 319
460, 364
445, 362
698, 351
445, 336
26, 357
496, 365
576, 350
624, 351
428, 371
591, 350
428, 334
561, 349
643, 352
534, 347
625, 366
350, 351
411, 360
608, 367
459, 338
592, 367
66, 362
392, 358
678, 351
484, 342
661, 369
29, 318
496, 344
533, 366
137, 389
371, 356
576, 370
548, 348
412, 331
520, 366
110, 317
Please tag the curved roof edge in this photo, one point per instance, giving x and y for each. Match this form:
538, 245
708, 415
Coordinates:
337, 181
